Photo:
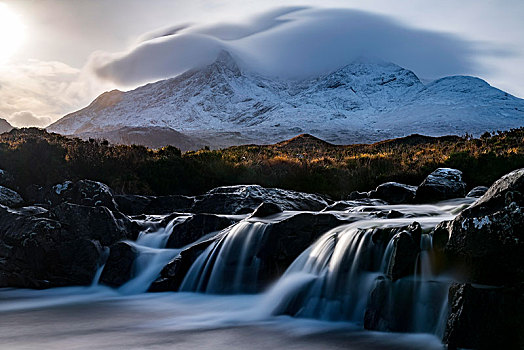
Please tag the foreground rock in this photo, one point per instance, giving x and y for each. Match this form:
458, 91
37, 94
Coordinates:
38, 252
485, 318
486, 240
443, 183
394, 193
477, 192
244, 199
9, 197
64, 244
118, 268
197, 226
82, 192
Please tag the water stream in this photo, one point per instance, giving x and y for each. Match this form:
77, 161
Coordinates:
330, 283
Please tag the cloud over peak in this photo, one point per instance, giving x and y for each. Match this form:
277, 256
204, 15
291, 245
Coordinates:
291, 43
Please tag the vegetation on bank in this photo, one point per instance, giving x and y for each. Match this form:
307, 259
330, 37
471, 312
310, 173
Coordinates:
304, 163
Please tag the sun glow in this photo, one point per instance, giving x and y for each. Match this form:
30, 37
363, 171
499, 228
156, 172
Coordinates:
11, 32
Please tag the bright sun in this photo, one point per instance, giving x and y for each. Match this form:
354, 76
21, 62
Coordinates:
11, 32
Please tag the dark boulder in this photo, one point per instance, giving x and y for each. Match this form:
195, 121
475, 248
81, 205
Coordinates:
443, 183
245, 199
486, 240
38, 252
172, 275
82, 192
7, 180
485, 318
358, 195
195, 227
9, 197
266, 209
97, 223
395, 193
477, 192
159, 205
403, 256
118, 268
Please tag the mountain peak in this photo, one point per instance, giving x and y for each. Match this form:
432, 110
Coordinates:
225, 61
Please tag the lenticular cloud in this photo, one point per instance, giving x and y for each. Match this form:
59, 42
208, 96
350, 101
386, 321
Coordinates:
292, 43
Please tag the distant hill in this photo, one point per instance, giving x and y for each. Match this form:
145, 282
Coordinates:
152, 137
5, 126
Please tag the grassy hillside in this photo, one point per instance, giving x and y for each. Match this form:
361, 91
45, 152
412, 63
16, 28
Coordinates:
303, 163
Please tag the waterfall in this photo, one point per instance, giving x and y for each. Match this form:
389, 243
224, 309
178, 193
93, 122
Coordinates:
230, 264
339, 269
152, 257
333, 279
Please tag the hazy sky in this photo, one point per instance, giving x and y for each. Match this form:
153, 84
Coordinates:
57, 55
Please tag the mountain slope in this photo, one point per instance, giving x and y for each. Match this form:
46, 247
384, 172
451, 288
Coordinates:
5, 126
361, 102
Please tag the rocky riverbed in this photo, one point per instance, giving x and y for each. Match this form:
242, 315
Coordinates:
439, 258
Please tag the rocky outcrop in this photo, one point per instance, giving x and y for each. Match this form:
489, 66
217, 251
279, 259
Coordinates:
394, 193
443, 183
486, 240
485, 244
477, 192
65, 243
406, 247
196, 227
118, 268
485, 318
83, 192
97, 223
9, 197
266, 209
244, 199
38, 252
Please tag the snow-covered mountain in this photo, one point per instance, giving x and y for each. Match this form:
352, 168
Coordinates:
361, 102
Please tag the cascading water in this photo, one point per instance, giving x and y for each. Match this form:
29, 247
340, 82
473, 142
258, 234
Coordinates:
152, 257
230, 264
344, 262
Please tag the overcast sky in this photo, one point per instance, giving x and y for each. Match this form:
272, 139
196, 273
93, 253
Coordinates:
60, 54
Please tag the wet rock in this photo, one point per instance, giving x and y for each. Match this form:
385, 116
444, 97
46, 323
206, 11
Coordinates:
7, 180
118, 268
477, 192
376, 315
486, 240
9, 197
38, 252
196, 227
485, 318
395, 193
172, 275
357, 195
33, 211
266, 209
159, 205
394, 214
97, 223
83, 192
403, 256
246, 198
443, 183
